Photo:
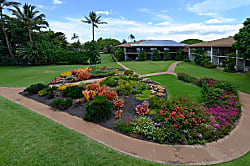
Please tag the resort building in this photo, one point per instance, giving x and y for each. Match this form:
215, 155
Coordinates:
133, 49
218, 50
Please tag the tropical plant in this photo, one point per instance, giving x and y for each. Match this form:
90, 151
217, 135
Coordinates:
99, 110
94, 20
74, 37
156, 55
32, 21
92, 50
242, 38
142, 56
5, 4
131, 37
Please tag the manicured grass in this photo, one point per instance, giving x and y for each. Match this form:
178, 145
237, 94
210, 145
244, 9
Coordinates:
237, 79
178, 88
147, 67
15, 76
28, 138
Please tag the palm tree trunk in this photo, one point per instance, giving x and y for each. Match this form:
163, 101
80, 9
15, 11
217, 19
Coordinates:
30, 36
93, 32
7, 39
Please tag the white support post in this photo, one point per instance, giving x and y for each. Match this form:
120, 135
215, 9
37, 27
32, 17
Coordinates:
189, 53
237, 58
125, 52
211, 54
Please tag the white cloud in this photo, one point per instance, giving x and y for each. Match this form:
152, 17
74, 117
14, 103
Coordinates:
57, 2
150, 23
144, 10
120, 28
45, 7
164, 23
103, 12
216, 5
220, 20
164, 11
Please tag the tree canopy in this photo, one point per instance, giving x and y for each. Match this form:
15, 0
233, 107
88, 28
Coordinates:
242, 38
191, 41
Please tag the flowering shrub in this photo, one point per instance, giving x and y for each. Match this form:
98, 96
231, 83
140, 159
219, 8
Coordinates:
118, 113
83, 75
187, 78
62, 87
142, 109
84, 70
64, 74
118, 103
184, 113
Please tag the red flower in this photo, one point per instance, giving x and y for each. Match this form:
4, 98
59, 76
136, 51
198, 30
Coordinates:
166, 119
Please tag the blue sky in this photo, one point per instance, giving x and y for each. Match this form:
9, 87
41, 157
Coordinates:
147, 19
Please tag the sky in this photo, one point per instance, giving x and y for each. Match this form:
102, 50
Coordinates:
146, 19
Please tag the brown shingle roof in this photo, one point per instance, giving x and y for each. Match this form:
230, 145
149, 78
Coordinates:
224, 42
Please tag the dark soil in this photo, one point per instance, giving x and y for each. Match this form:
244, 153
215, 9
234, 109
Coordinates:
78, 110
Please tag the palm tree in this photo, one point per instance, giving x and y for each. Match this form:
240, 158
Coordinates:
94, 20
3, 4
132, 37
75, 36
30, 18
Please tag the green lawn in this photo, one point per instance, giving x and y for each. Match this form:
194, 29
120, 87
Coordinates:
147, 67
15, 76
179, 88
237, 79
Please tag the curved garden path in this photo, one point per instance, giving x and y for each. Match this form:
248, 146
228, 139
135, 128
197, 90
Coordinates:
230, 147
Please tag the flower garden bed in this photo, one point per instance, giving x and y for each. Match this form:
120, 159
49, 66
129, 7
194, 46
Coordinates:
139, 107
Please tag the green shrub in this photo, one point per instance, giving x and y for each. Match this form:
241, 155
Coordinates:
82, 85
128, 72
159, 134
209, 65
99, 110
124, 88
72, 57
62, 104
124, 127
142, 56
156, 55
179, 55
167, 55
156, 102
43, 92
146, 94
35, 88
74, 92
110, 81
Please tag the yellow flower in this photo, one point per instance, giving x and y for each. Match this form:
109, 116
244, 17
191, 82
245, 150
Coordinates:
65, 74
62, 87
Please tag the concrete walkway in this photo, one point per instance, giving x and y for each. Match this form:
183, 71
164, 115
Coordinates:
226, 149
169, 71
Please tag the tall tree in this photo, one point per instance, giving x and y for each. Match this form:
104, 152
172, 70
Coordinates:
4, 4
31, 18
94, 20
131, 37
242, 38
75, 36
